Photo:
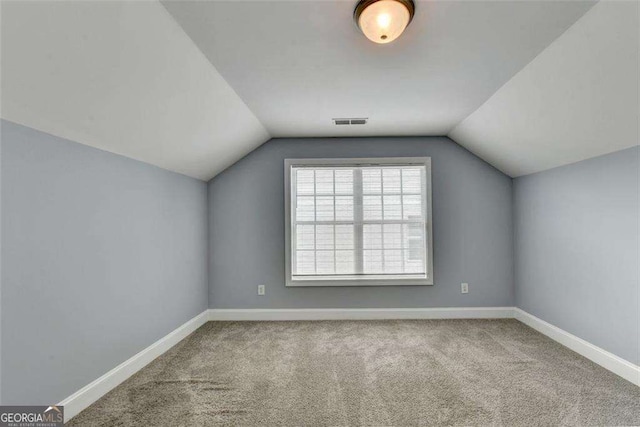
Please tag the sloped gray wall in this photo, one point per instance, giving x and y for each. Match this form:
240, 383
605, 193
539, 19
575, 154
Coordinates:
577, 249
101, 256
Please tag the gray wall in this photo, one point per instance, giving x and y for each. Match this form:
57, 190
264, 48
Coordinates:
102, 256
577, 249
472, 223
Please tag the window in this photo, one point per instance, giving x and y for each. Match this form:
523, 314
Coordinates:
355, 222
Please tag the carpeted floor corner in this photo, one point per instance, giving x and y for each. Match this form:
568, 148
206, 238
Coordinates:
373, 373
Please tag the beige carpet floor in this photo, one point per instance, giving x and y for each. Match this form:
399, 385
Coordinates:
374, 373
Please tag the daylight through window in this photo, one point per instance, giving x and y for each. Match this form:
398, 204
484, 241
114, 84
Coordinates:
358, 222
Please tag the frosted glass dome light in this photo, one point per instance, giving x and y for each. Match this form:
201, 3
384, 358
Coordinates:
383, 21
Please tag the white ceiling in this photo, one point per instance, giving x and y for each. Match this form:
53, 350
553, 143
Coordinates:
125, 78
298, 64
131, 78
578, 99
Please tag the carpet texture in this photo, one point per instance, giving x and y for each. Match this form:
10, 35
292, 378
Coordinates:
375, 373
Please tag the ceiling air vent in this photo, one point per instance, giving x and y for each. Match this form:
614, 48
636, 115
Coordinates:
361, 121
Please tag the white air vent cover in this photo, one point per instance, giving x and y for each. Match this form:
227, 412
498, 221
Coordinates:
350, 121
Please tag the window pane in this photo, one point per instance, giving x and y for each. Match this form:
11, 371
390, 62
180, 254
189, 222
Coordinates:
305, 262
304, 181
411, 181
344, 236
344, 208
324, 237
414, 248
391, 180
412, 207
372, 236
392, 207
324, 208
392, 236
305, 208
324, 181
305, 238
325, 262
371, 181
371, 208
413, 233
344, 181
372, 261
344, 262
413, 263
392, 261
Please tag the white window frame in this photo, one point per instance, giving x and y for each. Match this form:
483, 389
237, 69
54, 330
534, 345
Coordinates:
369, 280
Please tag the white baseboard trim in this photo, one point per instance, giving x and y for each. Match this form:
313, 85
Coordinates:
361, 313
88, 394
609, 361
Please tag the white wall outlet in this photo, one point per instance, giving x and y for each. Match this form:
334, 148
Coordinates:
464, 288
260, 289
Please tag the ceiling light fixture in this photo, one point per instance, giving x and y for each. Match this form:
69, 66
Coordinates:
382, 21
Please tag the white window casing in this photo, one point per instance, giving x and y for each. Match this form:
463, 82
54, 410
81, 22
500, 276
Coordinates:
358, 222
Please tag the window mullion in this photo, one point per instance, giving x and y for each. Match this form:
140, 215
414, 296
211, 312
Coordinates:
357, 217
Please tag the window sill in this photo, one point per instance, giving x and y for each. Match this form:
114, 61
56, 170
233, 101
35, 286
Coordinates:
354, 281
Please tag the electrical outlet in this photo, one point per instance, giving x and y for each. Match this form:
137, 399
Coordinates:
464, 288
260, 289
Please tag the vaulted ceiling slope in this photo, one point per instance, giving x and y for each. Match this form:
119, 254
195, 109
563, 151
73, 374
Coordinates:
125, 78
194, 85
578, 99
298, 64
